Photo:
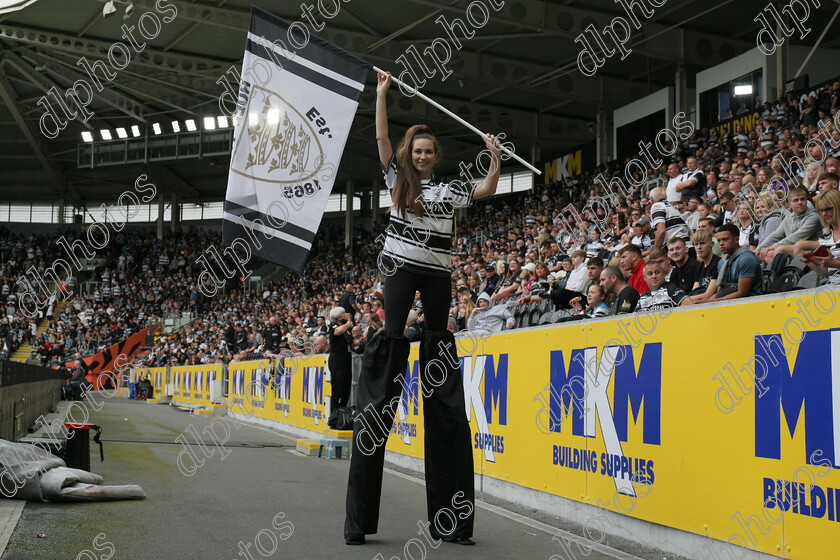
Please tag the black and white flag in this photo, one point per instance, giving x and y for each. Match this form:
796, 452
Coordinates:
297, 99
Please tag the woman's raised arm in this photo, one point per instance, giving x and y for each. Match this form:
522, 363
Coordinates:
383, 142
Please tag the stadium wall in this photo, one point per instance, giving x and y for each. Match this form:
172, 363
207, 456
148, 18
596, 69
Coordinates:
695, 420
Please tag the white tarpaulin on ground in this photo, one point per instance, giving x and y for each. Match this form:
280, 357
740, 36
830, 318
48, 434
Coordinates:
28, 472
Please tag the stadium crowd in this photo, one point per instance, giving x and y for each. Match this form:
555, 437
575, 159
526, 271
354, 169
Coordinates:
720, 215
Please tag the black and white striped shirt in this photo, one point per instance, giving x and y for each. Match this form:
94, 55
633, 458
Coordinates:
675, 226
423, 244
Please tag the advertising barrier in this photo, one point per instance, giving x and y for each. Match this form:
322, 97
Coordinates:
295, 396
191, 384
721, 420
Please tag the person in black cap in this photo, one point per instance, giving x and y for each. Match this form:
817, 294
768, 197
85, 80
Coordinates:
490, 279
416, 257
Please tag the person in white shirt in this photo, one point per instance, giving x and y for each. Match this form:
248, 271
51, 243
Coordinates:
672, 194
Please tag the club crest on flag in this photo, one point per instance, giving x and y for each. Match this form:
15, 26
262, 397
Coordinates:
282, 141
293, 117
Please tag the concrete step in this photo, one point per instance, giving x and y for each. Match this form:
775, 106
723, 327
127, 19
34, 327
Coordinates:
308, 447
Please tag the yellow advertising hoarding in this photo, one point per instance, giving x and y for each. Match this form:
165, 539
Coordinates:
191, 384
723, 421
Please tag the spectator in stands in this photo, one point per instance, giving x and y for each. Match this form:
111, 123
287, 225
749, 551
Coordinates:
692, 215
488, 285
594, 245
465, 309
676, 178
662, 294
686, 271
486, 320
577, 277
321, 346
413, 329
828, 208
828, 181
527, 279
661, 256
595, 304
540, 287
642, 235
594, 267
743, 220
575, 282
813, 171
632, 265
321, 328
739, 273
625, 297
667, 221
703, 243
799, 223
768, 212
510, 282
728, 206
474, 280
692, 183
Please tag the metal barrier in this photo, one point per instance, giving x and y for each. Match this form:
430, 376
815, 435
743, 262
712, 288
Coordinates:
26, 392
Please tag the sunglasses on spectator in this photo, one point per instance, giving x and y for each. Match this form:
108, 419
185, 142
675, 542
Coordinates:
825, 210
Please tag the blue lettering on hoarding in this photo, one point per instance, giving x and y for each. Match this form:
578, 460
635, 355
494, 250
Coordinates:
495, 388
313, 385
566, 388
410, 387
633, 389
495, 376
805, 392
283, 384
238, 381
572, 388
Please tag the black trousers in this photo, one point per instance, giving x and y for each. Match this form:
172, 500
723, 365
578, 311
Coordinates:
450, 490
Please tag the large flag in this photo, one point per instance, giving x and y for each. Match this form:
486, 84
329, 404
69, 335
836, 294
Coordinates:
297, 99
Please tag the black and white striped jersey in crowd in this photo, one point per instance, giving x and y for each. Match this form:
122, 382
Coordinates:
675, 226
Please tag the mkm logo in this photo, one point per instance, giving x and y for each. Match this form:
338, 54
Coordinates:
564, 167
313, 385
810, 392
585, 388
476, 369
479, 399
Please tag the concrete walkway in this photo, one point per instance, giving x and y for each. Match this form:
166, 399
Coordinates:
261, 500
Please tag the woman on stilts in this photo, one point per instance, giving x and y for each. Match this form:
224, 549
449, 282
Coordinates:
416, 257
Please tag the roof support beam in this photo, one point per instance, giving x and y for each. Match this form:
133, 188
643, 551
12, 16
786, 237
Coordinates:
38, 146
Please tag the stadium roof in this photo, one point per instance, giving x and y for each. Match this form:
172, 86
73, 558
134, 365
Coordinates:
517, 74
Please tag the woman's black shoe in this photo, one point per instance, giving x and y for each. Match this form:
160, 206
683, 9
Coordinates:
466, 541
355, 540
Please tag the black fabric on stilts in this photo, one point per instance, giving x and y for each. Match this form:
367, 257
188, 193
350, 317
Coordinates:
380, 384
449, 456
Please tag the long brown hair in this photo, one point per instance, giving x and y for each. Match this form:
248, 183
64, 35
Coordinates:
407, 188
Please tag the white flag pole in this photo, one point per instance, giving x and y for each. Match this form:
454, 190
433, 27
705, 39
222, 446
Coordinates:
457, 118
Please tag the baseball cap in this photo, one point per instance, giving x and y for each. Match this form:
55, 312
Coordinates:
530, 267
643, 220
